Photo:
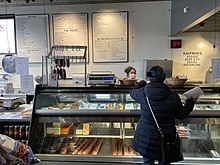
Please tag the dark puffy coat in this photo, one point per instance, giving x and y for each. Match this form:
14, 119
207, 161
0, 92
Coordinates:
166, 106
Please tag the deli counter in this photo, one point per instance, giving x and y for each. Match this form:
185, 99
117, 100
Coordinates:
97, 124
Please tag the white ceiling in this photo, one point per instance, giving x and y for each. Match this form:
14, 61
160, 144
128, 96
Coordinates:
63, 2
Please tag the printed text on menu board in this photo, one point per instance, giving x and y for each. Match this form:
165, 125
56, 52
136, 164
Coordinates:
192, 58
110, 37
33, 36
72, 30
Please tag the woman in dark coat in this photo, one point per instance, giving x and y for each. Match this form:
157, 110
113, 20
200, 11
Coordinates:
166, 106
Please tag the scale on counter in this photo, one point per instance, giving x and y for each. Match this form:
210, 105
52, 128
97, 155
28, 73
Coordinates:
10, 102
101, 79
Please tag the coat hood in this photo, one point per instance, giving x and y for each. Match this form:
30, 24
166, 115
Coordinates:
157, 91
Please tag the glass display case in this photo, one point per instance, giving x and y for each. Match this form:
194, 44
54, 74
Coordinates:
97, 124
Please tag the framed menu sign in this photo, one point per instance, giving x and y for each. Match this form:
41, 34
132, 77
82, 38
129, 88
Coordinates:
70, 29
110, 36
33, 36
7, 34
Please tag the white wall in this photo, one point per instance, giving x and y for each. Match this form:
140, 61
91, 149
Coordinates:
196, 42
149, 25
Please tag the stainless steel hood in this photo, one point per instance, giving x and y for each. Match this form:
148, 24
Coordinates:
211, 24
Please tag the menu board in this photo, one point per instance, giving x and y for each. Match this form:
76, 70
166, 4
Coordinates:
7, 34
70, 30
33, 36
110, 36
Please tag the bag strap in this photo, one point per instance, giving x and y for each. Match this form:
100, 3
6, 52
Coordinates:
158, 127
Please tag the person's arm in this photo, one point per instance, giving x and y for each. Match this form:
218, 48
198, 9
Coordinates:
183, 111
137, 91
135, 94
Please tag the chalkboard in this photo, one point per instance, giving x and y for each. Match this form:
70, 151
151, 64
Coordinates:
33, 36
110, 36
70, 29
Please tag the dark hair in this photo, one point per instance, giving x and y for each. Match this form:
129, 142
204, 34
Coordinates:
128, 69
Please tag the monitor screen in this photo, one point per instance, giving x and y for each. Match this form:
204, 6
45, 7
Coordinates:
167, 66
7, 33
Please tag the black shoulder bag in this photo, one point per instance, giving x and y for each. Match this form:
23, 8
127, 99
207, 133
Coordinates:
171, 150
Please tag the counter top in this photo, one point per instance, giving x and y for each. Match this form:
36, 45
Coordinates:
22, 113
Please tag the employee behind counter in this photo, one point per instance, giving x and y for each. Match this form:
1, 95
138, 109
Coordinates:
131, 75
130, 72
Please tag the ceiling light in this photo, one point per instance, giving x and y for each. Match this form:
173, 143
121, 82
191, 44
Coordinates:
9, 1
51, 0
186, 9
27, 1
33, 0
201, 25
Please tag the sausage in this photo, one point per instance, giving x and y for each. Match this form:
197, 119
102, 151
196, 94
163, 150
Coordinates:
90, 147
58, 73
120, 147
64, 73
84, 146
68, 63
97, 147
79, 147
61, 73
58, 63
55, 60
115, 147
54, 71
64, 62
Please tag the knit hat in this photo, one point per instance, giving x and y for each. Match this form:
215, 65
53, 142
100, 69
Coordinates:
156, 74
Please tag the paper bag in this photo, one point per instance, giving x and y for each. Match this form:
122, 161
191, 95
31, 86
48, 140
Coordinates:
193, 93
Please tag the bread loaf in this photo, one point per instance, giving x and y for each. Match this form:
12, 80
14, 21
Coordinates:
97, 147
115, 147
76, 150
131, 150
120, 147
84, 146
90, 147
126, 150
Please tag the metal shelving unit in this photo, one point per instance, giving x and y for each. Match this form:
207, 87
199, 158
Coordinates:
54, 54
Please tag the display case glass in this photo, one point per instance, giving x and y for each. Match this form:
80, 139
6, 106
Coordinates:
98, 124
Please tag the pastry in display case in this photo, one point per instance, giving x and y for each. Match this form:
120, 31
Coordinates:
101, 123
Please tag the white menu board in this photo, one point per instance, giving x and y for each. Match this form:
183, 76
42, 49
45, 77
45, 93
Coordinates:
33, 36
110, 37
70, 29
7, 34
216, 68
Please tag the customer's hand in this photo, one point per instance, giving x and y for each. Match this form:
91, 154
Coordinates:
140, 84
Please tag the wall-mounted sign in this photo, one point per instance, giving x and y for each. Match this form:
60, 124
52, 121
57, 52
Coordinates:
215, 68
192, 58
71, 29
33, 36
110, 37
7, 34
176, 43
